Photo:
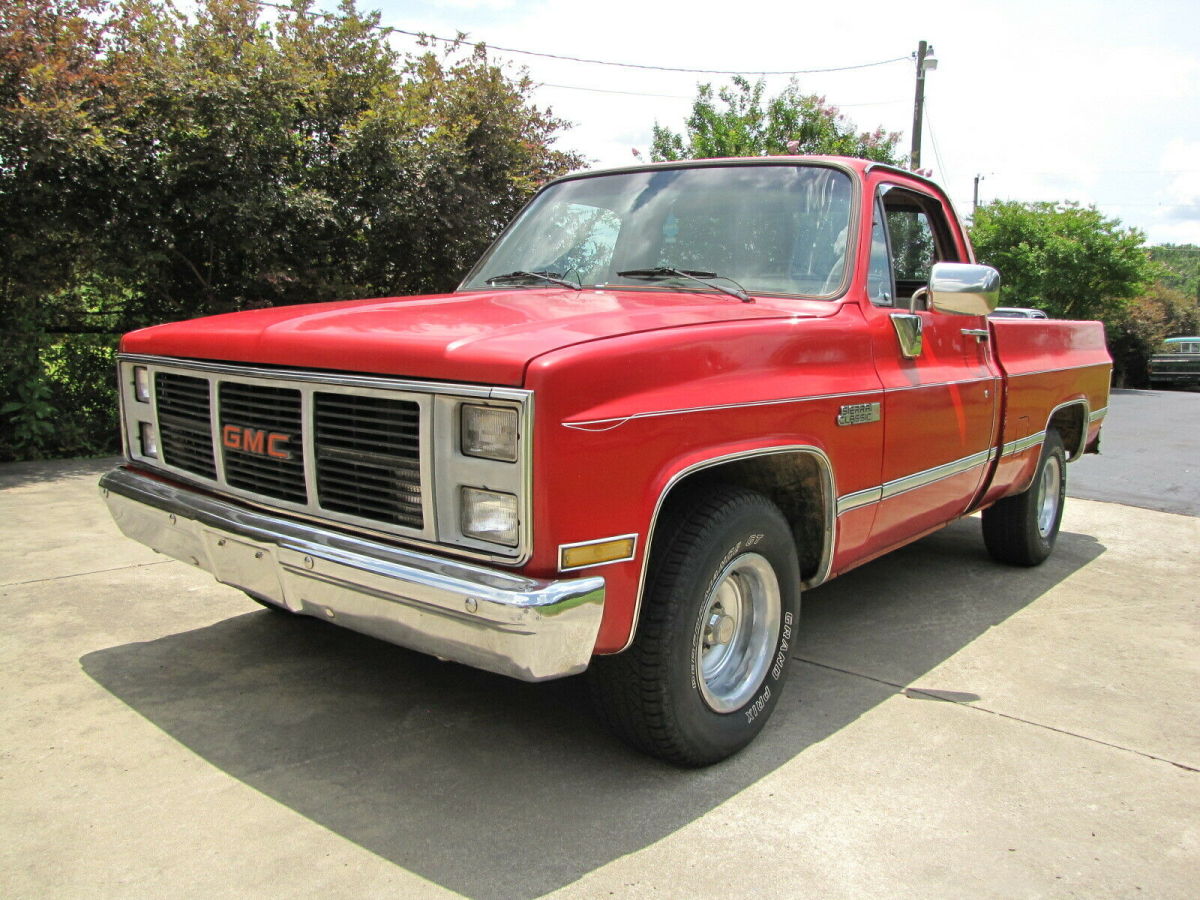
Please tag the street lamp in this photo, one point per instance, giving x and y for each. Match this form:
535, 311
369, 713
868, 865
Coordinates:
926, 62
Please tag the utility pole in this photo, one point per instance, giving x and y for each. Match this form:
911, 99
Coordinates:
975, 200
925, 63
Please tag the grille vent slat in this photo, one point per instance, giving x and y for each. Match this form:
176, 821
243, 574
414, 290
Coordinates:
184, 426
368, 457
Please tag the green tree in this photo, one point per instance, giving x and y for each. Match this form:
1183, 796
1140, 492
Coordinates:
1181, 267
59, 85
304, 160
158, 165
1066, 259
1137, 332
737, 121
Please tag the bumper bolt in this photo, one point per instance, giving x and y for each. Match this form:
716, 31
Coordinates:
308, 562
472, 604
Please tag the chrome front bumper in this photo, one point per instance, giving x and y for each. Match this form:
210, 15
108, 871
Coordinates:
522, 627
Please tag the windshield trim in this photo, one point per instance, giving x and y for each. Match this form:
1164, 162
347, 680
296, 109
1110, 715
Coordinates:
853, 228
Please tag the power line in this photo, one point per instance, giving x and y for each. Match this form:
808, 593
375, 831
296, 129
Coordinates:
392, 29
573, 87
945, 174
596, 90
1104, 171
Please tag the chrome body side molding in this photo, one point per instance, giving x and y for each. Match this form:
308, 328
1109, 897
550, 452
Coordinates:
859, 499
924, 478
937, 473
1022, 444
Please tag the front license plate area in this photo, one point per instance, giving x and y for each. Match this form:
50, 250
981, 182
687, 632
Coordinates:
250, 567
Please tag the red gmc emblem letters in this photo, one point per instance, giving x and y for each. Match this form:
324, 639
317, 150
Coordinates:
255, 440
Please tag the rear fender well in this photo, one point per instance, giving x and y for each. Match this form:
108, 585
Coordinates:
1070, 420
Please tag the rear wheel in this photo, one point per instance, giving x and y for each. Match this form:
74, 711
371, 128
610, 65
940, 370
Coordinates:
717, 626
1022, 530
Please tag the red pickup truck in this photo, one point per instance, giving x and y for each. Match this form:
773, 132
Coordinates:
667, 400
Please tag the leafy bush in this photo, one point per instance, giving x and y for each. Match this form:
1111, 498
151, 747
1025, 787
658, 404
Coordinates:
738, 122
1137, 333
156, 166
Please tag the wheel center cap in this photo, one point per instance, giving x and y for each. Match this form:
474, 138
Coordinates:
720, 628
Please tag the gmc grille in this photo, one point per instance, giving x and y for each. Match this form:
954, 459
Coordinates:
365, 446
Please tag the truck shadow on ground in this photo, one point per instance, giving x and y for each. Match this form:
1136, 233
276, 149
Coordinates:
497, 789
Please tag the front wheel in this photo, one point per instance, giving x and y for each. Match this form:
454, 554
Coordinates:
717, 627
1021, 530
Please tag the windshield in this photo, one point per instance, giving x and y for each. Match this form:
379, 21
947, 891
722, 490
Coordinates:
773, 229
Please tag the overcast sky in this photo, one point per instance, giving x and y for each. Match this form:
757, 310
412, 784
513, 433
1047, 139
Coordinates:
1097, 101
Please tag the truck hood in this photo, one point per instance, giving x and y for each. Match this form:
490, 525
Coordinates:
485, 337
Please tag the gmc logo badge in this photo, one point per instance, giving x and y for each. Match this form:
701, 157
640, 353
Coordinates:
255, 440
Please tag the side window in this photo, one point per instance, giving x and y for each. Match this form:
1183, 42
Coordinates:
912, 244
919, 236
879, 271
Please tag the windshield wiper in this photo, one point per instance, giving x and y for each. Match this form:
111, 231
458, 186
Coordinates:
694, 275
552, 277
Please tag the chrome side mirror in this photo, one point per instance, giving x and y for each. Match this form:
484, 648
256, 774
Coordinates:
964, 289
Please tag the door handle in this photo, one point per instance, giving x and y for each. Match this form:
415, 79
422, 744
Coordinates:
980, 334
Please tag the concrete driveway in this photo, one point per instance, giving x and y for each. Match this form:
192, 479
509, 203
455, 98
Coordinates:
954, 728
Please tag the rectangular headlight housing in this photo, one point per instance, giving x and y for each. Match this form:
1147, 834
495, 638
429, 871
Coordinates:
489, 516
149, 439
489, 432
141, 383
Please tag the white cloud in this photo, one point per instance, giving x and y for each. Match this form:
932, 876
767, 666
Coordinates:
1179, 217
1088, 100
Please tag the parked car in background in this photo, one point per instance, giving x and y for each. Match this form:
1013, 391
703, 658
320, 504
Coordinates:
1017, 312
1177, 362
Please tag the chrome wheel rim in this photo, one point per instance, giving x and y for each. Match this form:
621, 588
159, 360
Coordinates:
739, 627
1048, 495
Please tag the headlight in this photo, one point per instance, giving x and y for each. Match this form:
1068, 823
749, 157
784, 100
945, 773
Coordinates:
141, 383
489, 432
489, 516
149, 439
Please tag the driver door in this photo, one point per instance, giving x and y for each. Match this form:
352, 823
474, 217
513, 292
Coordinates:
941, 389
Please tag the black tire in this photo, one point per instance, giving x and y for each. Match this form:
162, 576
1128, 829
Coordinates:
1021, 530
714, 640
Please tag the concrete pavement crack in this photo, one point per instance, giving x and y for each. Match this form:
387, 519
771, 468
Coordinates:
933, 695
157, 562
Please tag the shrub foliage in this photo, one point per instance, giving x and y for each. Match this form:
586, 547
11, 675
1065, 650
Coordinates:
156, 165
738, 121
